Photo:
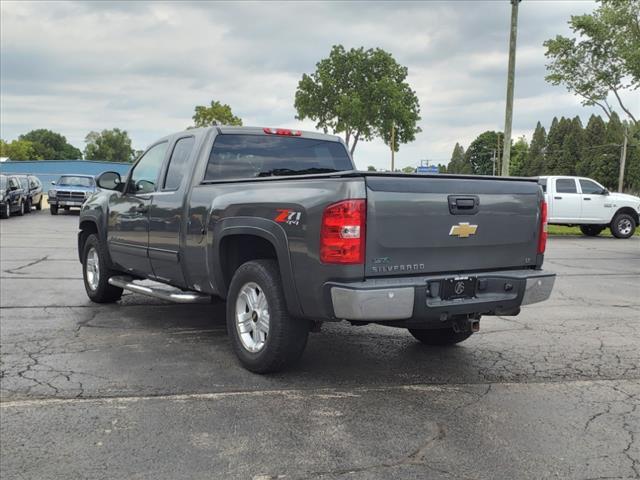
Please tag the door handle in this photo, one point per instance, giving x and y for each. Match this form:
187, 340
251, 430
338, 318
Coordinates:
587, 198
557, 198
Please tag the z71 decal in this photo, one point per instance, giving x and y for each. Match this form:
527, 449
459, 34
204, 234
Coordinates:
290, 217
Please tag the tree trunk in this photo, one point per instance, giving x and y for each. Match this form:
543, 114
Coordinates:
355, 142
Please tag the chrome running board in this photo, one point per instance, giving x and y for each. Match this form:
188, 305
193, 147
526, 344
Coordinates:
161, 291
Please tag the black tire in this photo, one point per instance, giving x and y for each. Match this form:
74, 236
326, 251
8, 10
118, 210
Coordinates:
623, 225
66, 209
27, 206
591, 230
53, 209
286, 337
103, 292
20, 211
39, 204
6, 211
439, 336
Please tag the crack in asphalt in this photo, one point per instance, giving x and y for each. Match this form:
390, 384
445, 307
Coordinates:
26, 265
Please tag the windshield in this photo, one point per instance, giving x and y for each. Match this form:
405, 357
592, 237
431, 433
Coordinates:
69, 181
251, 156
3, 182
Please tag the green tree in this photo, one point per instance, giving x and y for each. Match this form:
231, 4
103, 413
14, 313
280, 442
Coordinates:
606, 167
481, 150
534, 160
555, 141
371, 168
214, 114
519, 152
442, 168
362, 94
595, 135
18, 150
50, 145
409, 169
109, 145
604, 59
632, 170
458, 162
572, 146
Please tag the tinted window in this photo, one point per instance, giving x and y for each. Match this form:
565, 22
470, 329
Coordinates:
71, 181
145, 174
24, 183
178, 163
3, 182
251, 156
13, 183
566, 185
590, 187
543, 184
34, 182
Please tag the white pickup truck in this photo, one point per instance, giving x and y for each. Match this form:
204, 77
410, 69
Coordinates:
584, 202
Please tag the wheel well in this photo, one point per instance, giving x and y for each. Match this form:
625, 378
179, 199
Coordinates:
238, 249
629, 211
86, 228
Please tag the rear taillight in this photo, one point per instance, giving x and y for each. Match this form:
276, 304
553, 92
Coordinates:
542, 238
342, 235
282, 131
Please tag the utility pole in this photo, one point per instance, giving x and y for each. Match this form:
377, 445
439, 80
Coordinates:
493, 160
506, 155
393, 140
623, 159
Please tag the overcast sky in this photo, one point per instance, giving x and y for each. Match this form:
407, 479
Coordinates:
74, 67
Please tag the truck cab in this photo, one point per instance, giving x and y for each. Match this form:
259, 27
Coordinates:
584, 202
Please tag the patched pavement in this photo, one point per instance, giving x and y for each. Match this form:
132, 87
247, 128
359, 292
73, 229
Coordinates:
146, 389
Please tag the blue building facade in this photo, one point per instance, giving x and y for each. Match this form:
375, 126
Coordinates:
50, 170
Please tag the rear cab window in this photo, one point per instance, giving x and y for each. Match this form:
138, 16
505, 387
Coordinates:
240, 156
566, 185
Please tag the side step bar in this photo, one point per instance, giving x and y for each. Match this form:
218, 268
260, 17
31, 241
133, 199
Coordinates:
163, 292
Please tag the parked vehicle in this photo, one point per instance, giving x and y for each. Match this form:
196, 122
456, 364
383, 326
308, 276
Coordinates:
70, 191
584, 202
279, 224
33, 191
12, 196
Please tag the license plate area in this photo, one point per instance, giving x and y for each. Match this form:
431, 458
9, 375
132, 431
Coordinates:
458, 287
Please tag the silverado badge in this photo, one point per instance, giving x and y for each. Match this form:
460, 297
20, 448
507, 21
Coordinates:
463, 230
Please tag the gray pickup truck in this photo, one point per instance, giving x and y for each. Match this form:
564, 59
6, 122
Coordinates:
279, 224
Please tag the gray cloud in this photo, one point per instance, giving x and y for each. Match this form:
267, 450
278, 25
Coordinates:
141, 66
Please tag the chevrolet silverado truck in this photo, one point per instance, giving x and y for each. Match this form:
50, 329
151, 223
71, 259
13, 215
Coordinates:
278, 223
584, 202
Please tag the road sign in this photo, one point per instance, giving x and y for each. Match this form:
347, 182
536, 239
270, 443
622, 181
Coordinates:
427, 169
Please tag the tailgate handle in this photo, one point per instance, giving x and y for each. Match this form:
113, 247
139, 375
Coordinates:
463, 204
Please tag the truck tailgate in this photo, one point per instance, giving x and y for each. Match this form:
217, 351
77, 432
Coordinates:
449, 224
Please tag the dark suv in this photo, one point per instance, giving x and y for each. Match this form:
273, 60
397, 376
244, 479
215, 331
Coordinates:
12, 196
33, 191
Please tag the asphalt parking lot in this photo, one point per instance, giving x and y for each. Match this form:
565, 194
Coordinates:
146, 389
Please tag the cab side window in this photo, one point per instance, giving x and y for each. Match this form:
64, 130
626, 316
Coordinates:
566, 185
178, 163
588, 187
146, 172
13, 183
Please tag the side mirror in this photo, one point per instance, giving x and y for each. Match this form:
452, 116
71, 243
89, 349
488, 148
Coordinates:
604, 192
109, 181
52, 182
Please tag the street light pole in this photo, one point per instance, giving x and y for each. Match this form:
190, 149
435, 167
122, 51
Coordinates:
506, 155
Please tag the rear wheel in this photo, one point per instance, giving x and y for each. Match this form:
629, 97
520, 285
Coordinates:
439, 336
263, 335
96, 273
39, 204
591, 230
623, 225
53, 209
20, 211
27, 206
6, 211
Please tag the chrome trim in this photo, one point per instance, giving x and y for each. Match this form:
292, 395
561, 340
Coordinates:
538, 289
378, 304
162, 291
